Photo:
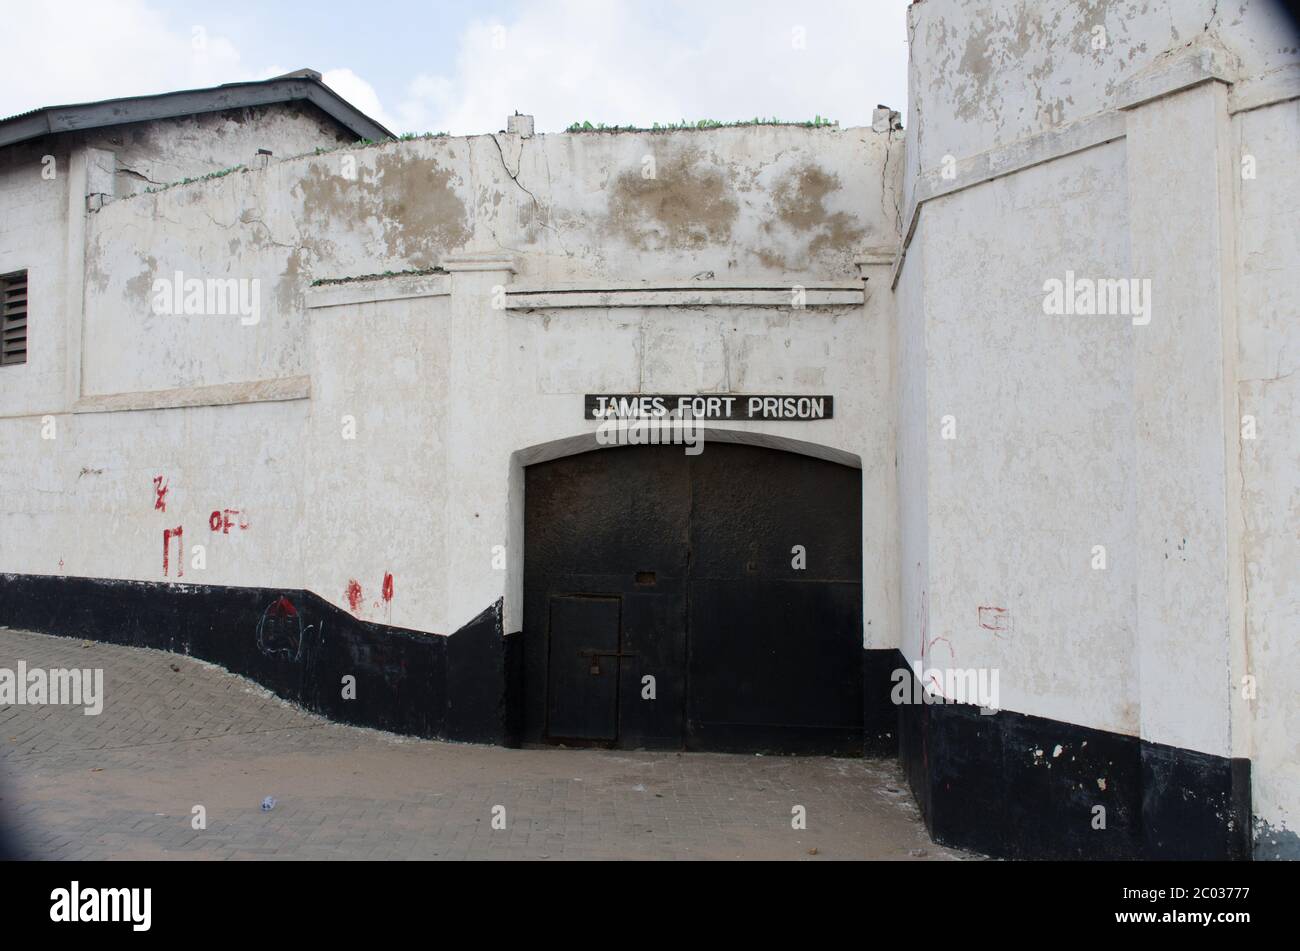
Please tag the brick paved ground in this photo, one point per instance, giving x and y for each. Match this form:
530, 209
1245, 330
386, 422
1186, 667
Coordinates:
176, 732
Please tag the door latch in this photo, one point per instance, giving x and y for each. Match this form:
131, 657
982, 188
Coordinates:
596, 655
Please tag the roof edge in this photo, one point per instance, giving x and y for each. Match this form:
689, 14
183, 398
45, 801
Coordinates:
302, 85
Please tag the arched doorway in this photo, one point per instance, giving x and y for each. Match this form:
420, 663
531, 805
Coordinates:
666, 606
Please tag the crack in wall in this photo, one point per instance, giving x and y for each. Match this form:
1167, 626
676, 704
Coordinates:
123, 170
542, 212
884, 177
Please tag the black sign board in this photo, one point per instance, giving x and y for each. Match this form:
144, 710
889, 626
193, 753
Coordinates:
710, 406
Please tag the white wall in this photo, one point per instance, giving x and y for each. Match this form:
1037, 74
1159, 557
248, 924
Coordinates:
915, 422
1031, 152
775, 203
78, 495
991, 74
1071, 432
34, 237
1268, 388
1041, 467
445, 419
375, 491
445, 391
158, 154
83, 504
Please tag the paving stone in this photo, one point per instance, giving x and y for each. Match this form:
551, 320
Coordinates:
122, 785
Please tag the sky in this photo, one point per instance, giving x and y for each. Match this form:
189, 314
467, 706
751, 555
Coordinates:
462, 66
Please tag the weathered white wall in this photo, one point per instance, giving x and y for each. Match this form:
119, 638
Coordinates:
1041, 466
43, 219
78, 495
1030, 153
156, 154
768, 202
375, 491
991, 74
1070, 432
914, 426
83, 504
445, 391
1268, 388
444, 423
34, 237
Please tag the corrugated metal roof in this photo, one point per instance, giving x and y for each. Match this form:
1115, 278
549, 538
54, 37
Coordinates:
300, 85
30, 112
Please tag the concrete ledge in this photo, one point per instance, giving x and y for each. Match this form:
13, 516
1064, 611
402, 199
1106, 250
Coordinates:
479, 261
1181, 71
594, 294
375, 290
685, 294
1078, 136
224, 394
1280, 85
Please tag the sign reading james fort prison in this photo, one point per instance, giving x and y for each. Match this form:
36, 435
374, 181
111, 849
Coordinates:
710, 407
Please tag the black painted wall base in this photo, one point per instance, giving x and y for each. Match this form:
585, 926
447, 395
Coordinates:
879, 715
295, 644
1025, 787
993, 784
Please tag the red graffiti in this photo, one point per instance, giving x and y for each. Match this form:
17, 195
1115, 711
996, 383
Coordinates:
354, 595
995, 619
946, 641
224, 520
388, 586
934, 679
168, 534
160, 494
282, 609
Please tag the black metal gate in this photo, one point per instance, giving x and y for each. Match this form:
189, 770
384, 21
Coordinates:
668, 605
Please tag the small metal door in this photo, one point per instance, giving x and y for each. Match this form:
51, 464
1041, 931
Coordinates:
584, 669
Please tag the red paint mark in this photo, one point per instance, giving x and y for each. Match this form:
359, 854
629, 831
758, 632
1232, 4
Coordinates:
951, 652
388, 586
168, 534
283, 608
995, 619
224, 520
925, 622
160, 494
354, 595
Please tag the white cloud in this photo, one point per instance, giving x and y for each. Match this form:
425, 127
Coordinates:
84, 50
613, 61
629, 62
360, 93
